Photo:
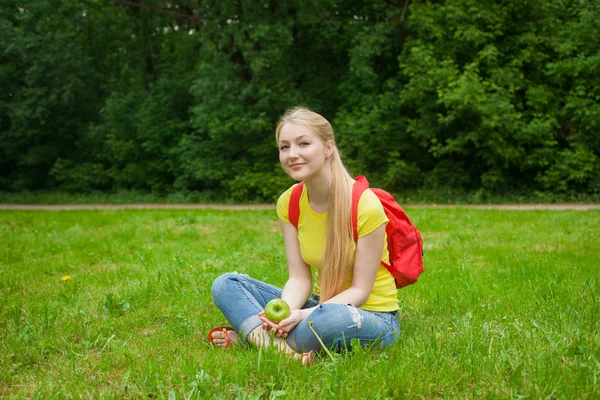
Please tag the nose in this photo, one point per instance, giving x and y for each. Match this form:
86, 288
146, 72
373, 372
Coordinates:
292, 152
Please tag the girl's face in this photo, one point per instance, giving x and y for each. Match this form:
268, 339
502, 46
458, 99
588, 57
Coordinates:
303, 155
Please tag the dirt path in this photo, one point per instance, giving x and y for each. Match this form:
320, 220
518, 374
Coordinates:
62, 207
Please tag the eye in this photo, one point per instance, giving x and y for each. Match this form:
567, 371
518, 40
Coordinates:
283, 147
304, 144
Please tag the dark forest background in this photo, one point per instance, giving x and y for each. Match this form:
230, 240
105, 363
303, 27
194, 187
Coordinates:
179, 96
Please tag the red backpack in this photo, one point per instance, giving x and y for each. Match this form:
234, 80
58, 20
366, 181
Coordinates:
405, 244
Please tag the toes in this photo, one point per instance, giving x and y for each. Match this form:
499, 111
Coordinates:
308, 358
305, 358
223, 338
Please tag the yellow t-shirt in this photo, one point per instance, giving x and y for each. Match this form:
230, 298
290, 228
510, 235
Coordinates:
312, 230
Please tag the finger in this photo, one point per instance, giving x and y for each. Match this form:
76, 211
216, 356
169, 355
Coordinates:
285, 322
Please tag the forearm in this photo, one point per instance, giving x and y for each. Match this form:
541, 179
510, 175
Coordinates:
296, 292
353, 295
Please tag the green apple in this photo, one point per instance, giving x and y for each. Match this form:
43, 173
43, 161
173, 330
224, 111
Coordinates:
277, 310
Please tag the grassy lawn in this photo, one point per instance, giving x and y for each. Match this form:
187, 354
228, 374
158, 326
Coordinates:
509, 306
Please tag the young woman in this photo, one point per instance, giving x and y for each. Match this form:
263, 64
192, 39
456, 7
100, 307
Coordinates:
354, 295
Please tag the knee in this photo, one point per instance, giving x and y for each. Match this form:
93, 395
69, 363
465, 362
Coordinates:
322, 322
222, 285
322, 312
324, 319
330, 320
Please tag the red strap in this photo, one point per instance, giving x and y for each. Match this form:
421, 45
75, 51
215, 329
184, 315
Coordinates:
358, 188
227, 343
294, 206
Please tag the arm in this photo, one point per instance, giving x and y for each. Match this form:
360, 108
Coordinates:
366, 265
299, 284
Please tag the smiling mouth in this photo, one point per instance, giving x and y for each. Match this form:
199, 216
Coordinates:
296, 166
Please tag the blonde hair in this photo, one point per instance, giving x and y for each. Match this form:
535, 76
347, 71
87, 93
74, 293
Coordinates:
339, 244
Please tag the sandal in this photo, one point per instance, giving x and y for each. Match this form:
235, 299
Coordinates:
223, 329
308, 358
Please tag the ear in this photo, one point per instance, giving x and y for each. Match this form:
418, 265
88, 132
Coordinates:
330, 147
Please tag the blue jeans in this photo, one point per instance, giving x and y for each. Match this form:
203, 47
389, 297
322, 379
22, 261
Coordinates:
240, 298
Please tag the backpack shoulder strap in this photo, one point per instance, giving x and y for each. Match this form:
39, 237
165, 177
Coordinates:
358, 189
294, 206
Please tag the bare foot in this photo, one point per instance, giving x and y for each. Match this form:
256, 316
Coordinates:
222, 339
263, 338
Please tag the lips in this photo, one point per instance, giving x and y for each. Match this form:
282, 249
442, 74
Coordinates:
296, 166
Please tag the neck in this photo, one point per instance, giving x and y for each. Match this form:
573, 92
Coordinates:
319, 189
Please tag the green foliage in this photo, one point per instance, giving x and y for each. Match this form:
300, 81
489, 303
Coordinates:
82, 177
475, 95
46, 102
259, 186
572, 168
484, 95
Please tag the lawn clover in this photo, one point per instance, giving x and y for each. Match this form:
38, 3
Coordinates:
65, 278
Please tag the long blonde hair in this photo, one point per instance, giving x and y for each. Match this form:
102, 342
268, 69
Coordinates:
339, 244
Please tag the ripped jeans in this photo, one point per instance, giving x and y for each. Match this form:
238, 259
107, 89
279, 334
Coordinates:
240, 298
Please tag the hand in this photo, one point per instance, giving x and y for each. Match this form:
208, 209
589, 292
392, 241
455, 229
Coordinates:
283, 327
270, 325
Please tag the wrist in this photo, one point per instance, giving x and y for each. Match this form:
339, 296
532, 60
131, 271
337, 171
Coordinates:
306, 312
303, 313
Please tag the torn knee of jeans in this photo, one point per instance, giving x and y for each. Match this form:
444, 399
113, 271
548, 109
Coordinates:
356, 317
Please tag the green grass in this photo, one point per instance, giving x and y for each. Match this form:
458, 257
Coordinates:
509, 307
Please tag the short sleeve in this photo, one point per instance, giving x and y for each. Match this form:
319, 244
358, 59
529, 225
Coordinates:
370, 213
283, 205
